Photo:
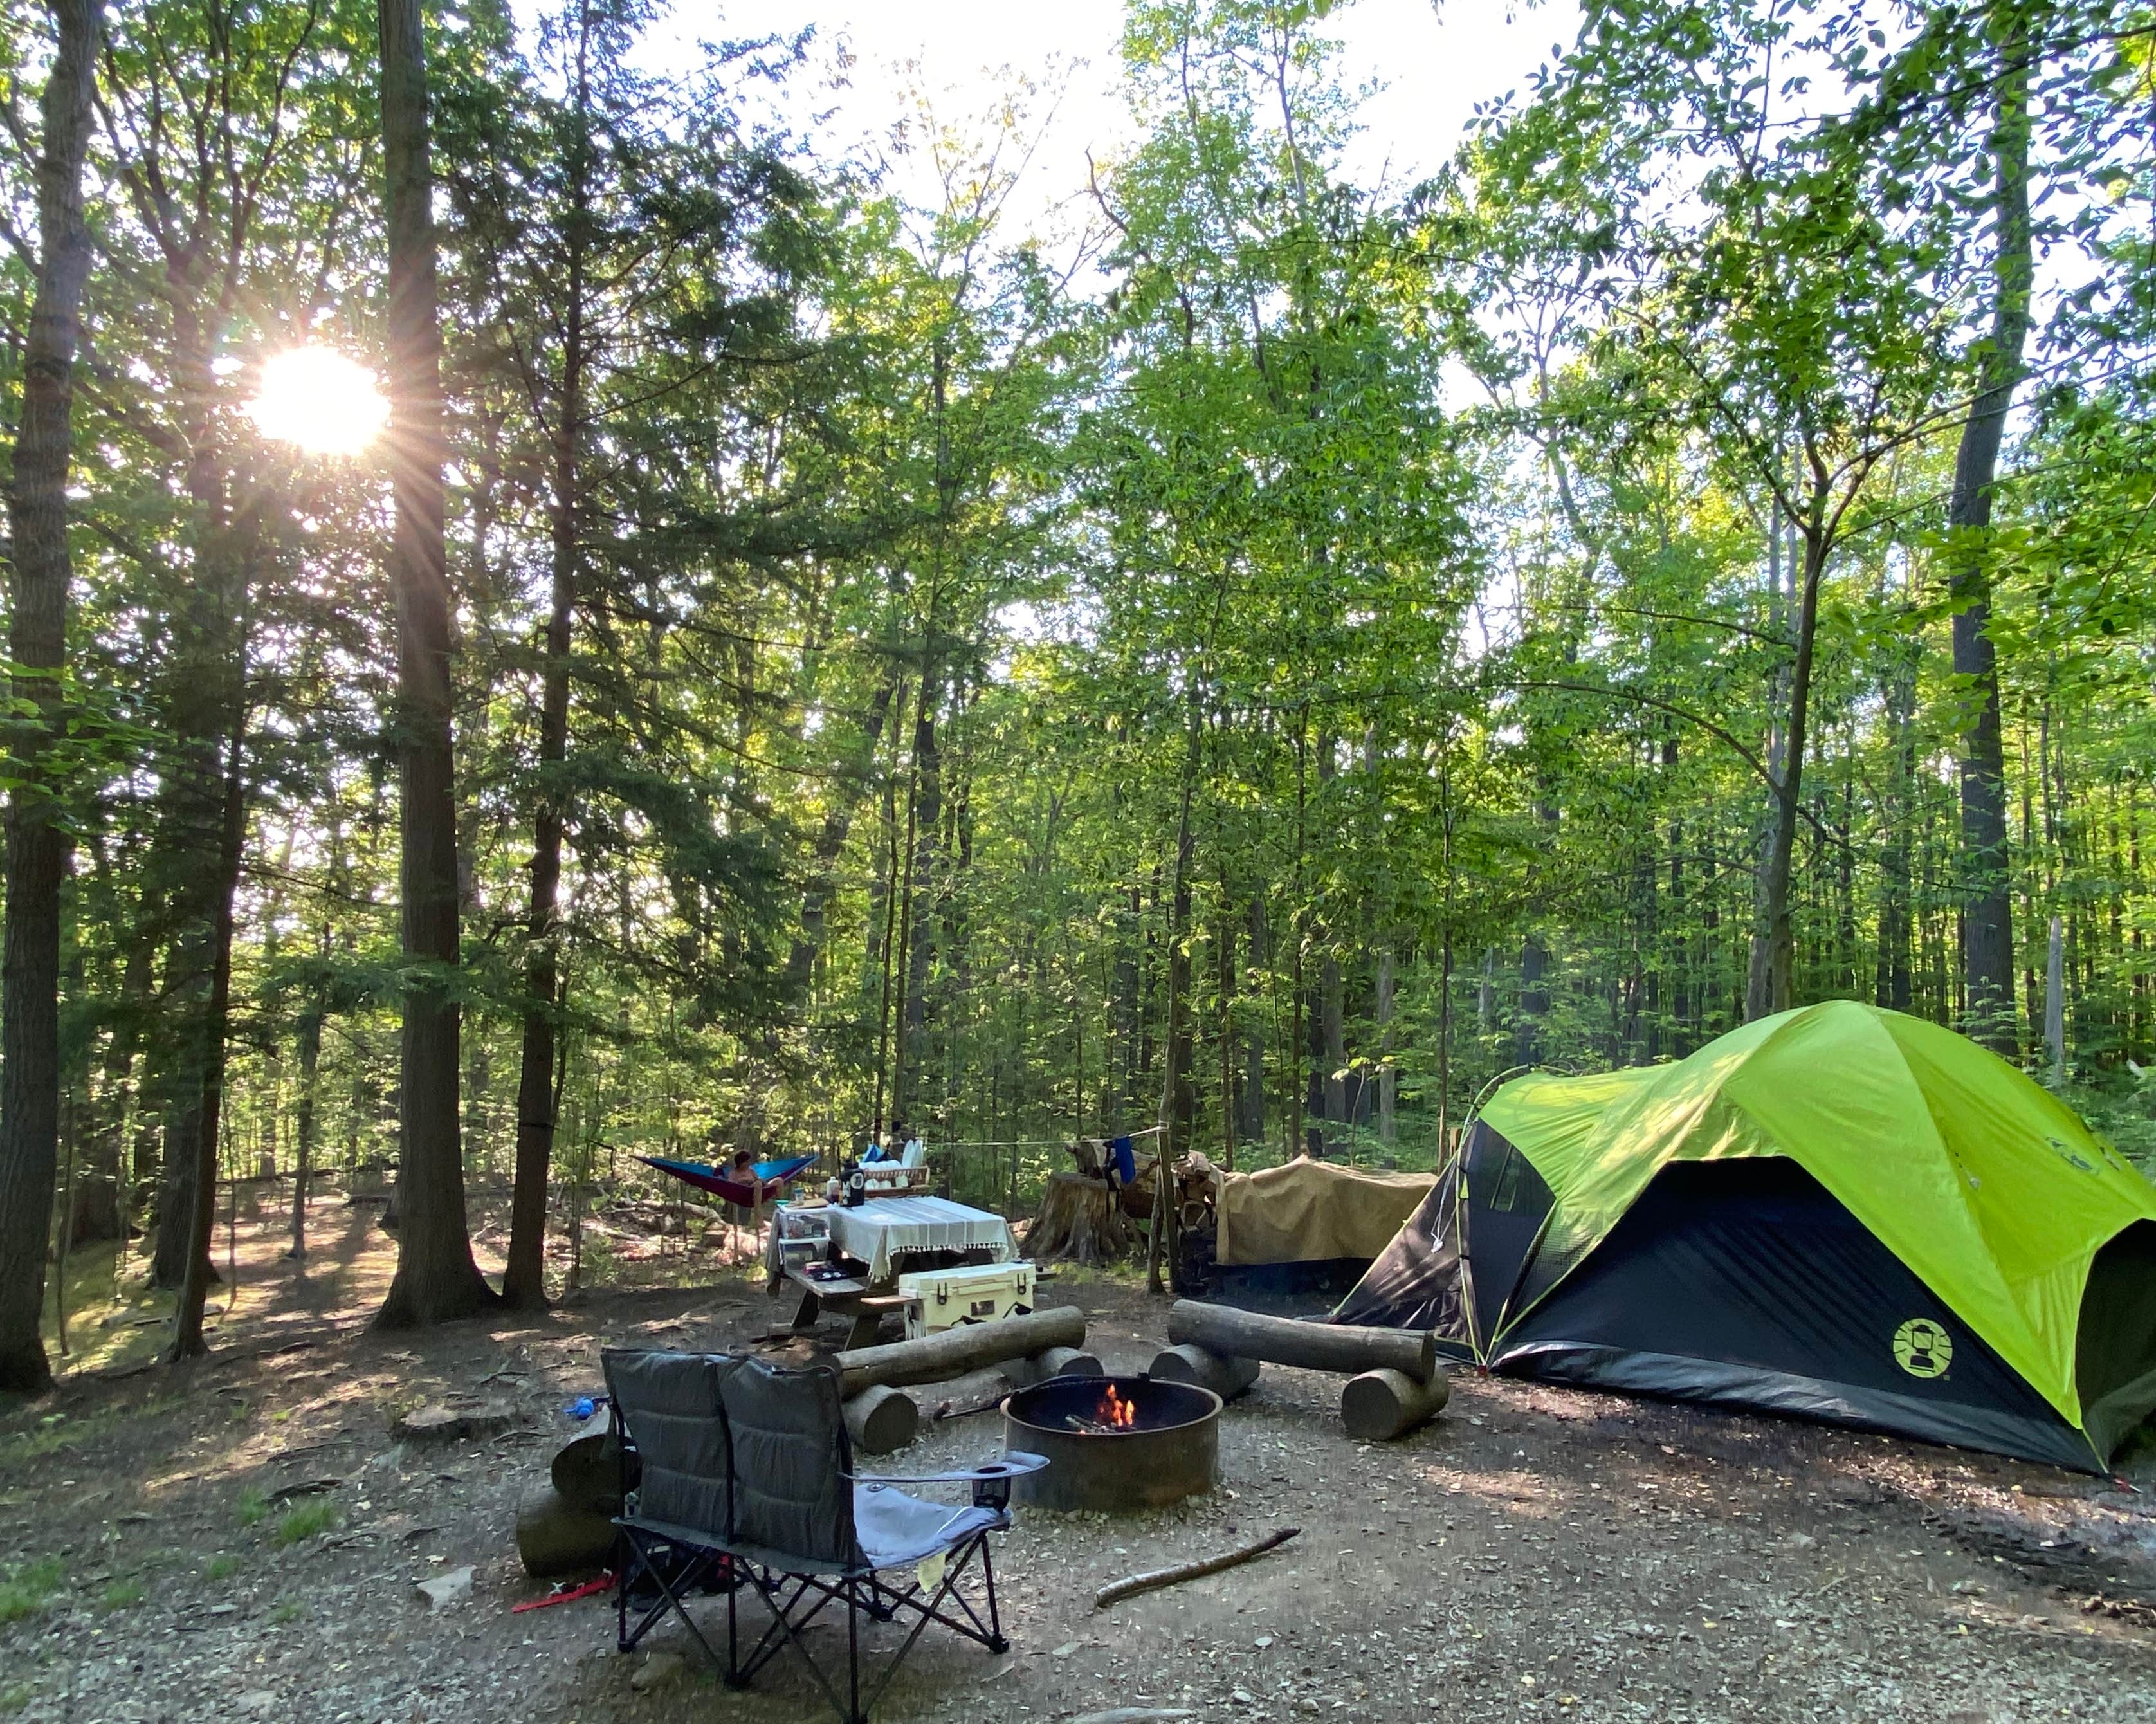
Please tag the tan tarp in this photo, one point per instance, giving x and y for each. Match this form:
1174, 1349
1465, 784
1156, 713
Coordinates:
1309, 1211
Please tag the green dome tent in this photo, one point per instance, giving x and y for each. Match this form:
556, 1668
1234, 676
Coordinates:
1838, 1212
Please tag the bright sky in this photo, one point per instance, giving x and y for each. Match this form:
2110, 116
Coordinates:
1433, 70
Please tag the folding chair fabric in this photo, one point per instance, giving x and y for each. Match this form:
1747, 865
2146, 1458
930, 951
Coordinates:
792, 1497
895, 1529
669, 1403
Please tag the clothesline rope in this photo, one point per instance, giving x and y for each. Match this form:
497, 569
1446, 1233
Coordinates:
1044, 1142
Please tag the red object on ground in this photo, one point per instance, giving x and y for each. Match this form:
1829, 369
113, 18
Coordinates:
603, 1583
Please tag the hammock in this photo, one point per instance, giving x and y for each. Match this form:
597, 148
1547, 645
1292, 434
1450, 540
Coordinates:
772, 1177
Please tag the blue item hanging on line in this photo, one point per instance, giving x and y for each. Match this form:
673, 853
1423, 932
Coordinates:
1122, 1161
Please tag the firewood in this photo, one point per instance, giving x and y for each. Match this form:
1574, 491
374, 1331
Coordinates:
1344, 1347
881, 1419
955, 1352
1196, 1570
554, 1537
976, 1392
1227, 1378
1380, 1405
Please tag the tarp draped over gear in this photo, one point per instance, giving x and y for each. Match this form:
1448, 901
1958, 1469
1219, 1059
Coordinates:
1839, 1211
1312, 1212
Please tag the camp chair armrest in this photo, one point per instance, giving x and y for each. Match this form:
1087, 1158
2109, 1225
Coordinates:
991, 1479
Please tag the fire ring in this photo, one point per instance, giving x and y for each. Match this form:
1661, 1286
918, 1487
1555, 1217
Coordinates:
1115, 1444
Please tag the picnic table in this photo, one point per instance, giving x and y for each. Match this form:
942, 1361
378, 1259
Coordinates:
885, 1234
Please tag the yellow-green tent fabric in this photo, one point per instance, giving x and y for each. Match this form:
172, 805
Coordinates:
2026, 1235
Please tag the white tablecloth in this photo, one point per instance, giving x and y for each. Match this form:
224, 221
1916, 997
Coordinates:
883, 1227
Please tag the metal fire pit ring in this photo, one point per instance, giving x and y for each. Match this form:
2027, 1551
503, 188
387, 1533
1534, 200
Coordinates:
1173, 1452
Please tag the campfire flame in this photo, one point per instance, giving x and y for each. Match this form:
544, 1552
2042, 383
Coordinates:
1114, 1412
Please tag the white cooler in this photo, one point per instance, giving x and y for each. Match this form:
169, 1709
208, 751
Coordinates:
940, 1299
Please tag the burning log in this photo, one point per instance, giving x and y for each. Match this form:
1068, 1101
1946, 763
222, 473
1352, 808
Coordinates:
1189, 1571
1112, 1414
954, 1351
1380, 1405
880, 1419
1226, 1377
1316, 1346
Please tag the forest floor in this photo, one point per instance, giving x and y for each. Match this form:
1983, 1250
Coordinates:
1535, 1553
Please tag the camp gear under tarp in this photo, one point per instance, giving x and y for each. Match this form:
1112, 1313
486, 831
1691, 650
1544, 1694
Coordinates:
1312, 1212
1838, 1212
771, 1181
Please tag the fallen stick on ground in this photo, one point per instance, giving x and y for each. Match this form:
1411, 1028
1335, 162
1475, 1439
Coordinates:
1181, 1572
1137, 1715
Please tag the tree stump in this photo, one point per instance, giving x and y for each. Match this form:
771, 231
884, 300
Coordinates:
1079, 1221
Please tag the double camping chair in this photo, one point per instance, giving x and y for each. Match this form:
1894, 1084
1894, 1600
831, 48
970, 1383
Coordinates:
738, 1473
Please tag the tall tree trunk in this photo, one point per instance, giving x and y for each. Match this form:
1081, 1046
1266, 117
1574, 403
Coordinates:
1332, 1023
36, 841
2055, 1005
1174, 1113
1770, 987
436, 1277
304, 1129
1894, 978
1254, 1038
523, 1277
209, 1063
1988, 944
1534, 1001
846, 798
1759, 981
918, 946
1680, 1003
1387, 1089
1224, 955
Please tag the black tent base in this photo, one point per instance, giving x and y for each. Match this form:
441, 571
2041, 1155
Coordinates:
1663, 1377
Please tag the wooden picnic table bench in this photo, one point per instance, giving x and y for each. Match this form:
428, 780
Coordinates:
845, 1296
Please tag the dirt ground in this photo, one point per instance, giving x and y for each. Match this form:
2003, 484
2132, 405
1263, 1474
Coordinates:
1535, 1553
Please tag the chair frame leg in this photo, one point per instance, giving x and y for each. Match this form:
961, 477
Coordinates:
854, 1712
859, 1591
699, 1562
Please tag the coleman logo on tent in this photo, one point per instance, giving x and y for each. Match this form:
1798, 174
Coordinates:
1922, 1348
